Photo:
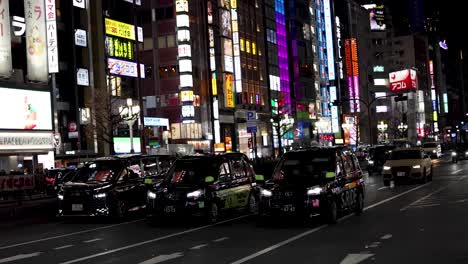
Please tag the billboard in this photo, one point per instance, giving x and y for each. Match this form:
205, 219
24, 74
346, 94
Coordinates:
120, 48
36, 44
25, 109
119, 29
122, 145
329, 39
376, 16
404, 80
122, 68
229, 90
5, 40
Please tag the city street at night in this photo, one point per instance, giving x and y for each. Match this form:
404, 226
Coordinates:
420, 223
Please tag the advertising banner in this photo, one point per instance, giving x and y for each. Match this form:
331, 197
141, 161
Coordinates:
36, 44
123, 68
405, 80
120, 48
119, 29
16, 183
25, 109
26, 141
228, 91
5, 40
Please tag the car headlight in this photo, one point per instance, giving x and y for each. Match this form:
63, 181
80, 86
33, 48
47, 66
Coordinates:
196, 194
314, 191
266, 193
151, 195
100, 195
386, 168
370, 162
454, 154
416, 166
434, 151
60, 197
466, 153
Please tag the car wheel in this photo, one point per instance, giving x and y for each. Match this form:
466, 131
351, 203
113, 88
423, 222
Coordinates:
359, 203
253, 205
331, 215
121, 210
213, 213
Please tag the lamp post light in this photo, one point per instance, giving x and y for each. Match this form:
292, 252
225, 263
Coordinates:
402, 128
130, 114
382, 127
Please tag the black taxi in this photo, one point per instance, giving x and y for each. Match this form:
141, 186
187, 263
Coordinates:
102, 187
314, 182
205, 186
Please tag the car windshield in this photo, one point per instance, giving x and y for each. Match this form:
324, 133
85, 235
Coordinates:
430, 145
305, 168
191, 172
406, 154
99, 171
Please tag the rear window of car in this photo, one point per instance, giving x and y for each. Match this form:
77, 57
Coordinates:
430, 145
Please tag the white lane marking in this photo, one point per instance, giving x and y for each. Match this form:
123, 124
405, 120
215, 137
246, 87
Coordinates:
63, 247
429, 195
220, 239
457, 171
92, 240
461, 201
356, 258
382, 188
151, 240
387, 236
20, 257
425, 205
162, 258
69, 234
292, 239
199, 246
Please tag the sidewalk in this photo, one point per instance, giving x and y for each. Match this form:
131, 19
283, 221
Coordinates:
37, 205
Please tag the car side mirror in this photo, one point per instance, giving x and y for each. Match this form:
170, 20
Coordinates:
259, 178
209, 179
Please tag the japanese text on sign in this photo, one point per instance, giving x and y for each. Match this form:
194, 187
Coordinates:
120, 48
119, 29
16, 183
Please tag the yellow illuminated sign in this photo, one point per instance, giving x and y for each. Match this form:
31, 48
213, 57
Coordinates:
214, 85
186, 96
119, 29
229, 91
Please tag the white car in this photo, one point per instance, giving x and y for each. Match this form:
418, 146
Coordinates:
411, 163
433, 149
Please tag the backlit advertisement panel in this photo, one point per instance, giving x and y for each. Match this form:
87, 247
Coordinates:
25, 109
229, 91
5, 40
123, 68
119, 29
36, 44
182, 6
329, 40
120, 48
376, 16
405, 80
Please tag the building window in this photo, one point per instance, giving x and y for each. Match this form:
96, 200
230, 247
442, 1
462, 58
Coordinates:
171, 42
247, 46
162, 42
242, 46
254, 48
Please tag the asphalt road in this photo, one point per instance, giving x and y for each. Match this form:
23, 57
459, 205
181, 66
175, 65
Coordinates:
406, 224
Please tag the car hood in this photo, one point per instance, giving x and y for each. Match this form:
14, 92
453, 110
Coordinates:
84, 186
402, 163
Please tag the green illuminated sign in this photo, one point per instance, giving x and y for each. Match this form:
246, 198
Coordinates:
120, 48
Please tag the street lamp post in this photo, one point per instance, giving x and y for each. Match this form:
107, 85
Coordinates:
130, 114
402, 128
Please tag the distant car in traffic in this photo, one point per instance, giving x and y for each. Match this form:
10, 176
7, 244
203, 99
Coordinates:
411, 163
204, 186
377, 157
314, 182
459, 153
103, 187
433, 149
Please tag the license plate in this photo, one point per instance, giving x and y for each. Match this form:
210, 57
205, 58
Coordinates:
401, 174
77, 207
169, 209
288, 208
